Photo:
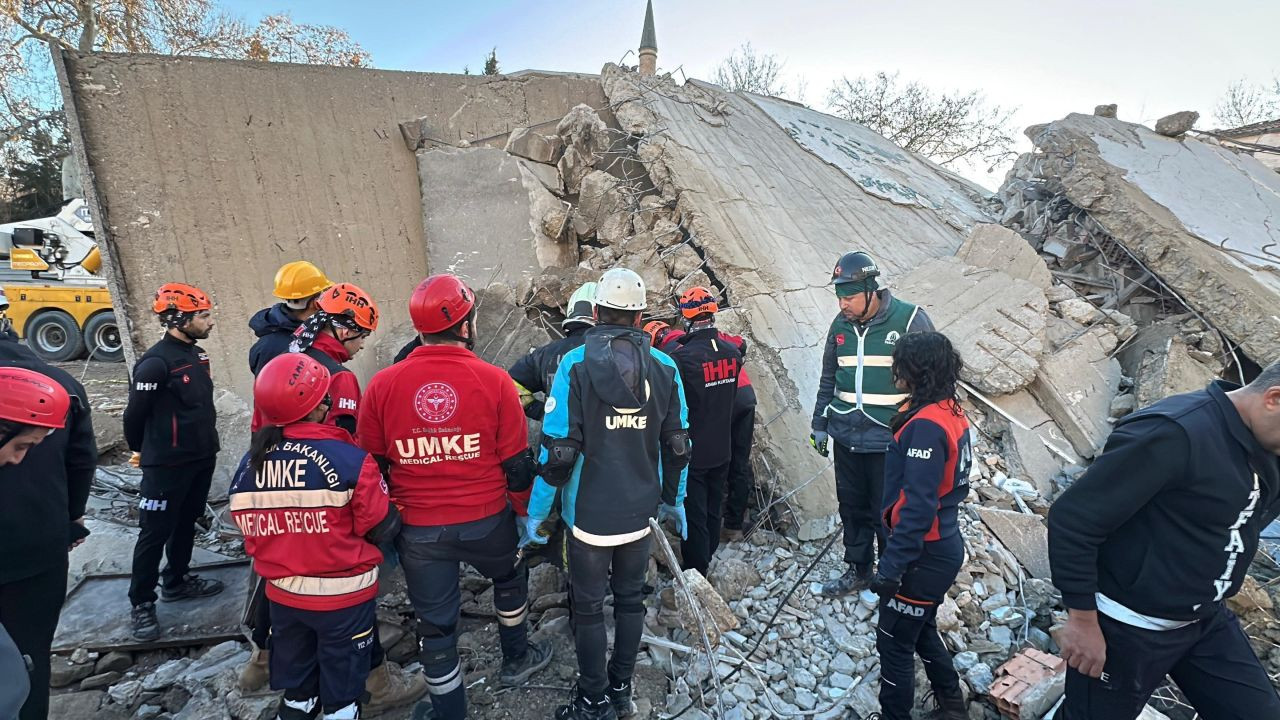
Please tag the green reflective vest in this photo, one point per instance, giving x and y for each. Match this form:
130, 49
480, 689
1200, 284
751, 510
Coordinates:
864, 364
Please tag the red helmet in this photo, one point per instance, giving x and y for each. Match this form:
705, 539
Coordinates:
439, 303
182, 298
31, 398
288, 387
696, 301
345, 300
656, 329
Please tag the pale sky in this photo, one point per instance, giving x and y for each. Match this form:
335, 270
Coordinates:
1046, 57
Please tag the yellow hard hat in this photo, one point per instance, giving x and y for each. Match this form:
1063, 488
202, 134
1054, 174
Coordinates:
298, 280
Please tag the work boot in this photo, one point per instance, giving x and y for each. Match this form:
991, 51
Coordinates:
518, 672
583, 709
298, 709
730, 534
192, 586
389, 686
145, 625
619, 694
255, 673
852, 581
949, 706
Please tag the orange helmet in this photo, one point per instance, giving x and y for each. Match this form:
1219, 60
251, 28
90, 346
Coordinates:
182, 298
348, 305
656, 328
696, 301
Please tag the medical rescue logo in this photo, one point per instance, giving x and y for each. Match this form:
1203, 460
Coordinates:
436, 402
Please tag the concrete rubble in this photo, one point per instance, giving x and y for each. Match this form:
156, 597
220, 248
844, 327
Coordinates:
1088, 288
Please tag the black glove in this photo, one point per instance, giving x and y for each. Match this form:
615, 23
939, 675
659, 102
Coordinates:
885, 587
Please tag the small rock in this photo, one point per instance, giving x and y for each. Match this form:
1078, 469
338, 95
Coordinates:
1007, 616
1106, 111
802, 678
82, 656
114, 660
1080, 310
844, 664
806, 700
965, 660
62, 672
204, 706
1177, 124
732, 578
1122, 405
126, 692
217, 659
102, 680
75, 704
165, 675
980, 678
147, 712
716, 612
1001, 636
840, 680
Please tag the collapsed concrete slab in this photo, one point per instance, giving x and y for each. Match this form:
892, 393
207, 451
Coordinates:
767, 207
1028, 438
995, 246
1024, 535
1075, 385
1194, 213
995, 321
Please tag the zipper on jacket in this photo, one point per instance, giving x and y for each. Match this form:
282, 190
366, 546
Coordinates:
174, 420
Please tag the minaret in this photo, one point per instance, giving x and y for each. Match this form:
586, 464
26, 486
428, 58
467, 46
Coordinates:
648, 45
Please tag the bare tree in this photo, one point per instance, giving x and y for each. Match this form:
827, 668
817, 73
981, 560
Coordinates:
1245, 103
30, 108
947, 127
761, 73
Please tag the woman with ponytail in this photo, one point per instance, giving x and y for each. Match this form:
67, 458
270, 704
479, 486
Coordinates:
926, 477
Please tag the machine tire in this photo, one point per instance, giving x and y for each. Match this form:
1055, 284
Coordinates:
102, 338
54, 336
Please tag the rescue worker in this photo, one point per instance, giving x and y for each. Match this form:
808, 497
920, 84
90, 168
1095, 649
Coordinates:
340, 320
344, 319
615, 441
298, 285
856, 401
450, 430
47, 460
534, 372
1151, 541
709, 367
170, 420
926, 476
312, 508
741, 475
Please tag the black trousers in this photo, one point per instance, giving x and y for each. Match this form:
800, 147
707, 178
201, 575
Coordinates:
431, 557
1211, 661
589, 572
173, 498
741, 475
322, 653
908, 627
260, 633
703, 505
859, 490
29, 610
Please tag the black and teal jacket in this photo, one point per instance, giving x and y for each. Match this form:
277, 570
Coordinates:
615, 398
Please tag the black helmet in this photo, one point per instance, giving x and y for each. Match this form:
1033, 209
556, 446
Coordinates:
856, 267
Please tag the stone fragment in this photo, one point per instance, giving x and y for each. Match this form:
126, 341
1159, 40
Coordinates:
1075, 386
218, 658
1250, 598
1177, 124
114, 660
1080, 310
101, 680
63, 672
965, 660
125, 693
75, 704
584, 135
980, 678
165, 675
545, 579
1106, 111
204, 706
995, 321
1024, 535
534, 146
1171, 372
1122, 405
715, 613
994, 246
603, 207
732, 578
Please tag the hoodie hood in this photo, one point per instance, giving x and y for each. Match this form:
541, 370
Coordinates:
617, 361
275, 319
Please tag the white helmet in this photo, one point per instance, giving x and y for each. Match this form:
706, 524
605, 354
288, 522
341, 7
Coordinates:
620, 289
4, 301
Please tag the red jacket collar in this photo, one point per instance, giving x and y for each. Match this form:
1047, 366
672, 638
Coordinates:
316, 431
330, 346
441, 351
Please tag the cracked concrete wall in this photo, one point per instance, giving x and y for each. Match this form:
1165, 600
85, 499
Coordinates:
771, 217
215, 172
